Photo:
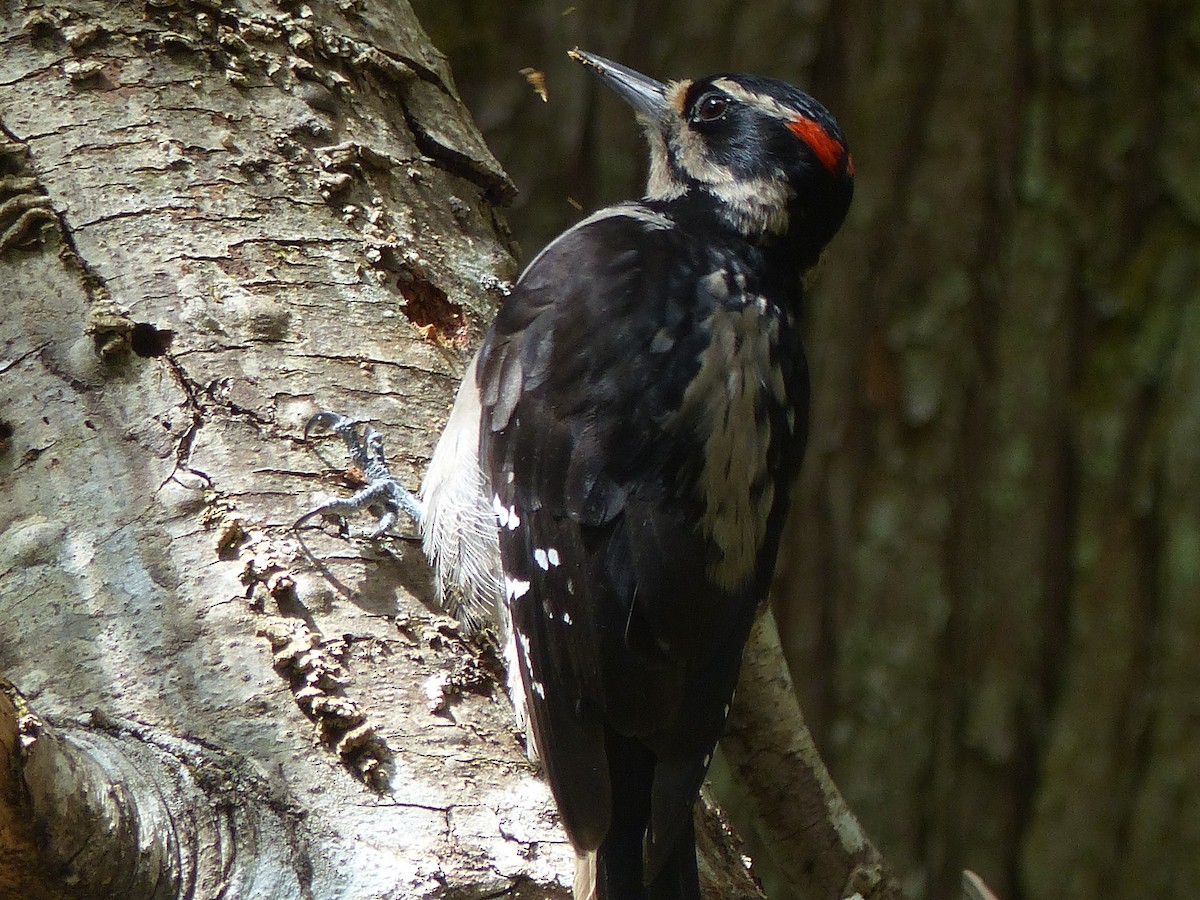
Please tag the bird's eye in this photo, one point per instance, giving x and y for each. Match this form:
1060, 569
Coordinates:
711, 107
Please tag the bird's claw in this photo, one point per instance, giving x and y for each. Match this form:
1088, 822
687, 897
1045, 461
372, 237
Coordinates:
382, 489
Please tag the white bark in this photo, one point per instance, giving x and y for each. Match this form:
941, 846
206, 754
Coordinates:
242, 213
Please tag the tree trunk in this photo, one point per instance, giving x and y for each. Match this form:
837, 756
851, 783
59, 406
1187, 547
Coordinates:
216, 219
1002, 501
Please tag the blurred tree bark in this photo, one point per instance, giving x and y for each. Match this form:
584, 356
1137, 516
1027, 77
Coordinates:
989, 596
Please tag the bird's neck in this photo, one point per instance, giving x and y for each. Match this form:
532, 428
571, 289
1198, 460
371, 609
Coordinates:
788, 251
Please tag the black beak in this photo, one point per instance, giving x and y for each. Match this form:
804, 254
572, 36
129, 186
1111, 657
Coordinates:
645, 95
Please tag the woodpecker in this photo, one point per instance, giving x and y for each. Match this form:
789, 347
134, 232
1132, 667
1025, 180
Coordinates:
613, 479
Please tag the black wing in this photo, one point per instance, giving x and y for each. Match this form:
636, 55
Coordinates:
596, 470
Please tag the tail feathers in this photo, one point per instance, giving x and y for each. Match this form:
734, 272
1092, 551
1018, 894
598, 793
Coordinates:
616, 870
677, 878
598, 876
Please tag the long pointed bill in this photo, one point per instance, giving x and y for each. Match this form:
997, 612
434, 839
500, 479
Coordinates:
645, 95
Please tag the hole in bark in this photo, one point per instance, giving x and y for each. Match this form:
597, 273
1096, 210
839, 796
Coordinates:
427, 307
147, 340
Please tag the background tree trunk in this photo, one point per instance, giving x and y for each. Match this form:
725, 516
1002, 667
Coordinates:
989, 595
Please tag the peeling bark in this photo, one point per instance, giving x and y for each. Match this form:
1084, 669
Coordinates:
119, 809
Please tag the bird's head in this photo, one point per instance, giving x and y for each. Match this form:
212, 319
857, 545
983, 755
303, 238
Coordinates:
768, 158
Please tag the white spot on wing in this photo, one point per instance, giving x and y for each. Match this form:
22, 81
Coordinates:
501, 512
523, 639
539, 557
552, 556
538, 688
567, 620
514, 520
515, 588
513, 664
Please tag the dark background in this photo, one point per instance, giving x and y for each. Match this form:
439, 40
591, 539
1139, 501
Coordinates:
991, 589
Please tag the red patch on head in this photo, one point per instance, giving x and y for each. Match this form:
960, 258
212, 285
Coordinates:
829, 150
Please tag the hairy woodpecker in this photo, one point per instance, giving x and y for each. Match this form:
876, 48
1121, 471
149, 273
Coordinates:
612, 481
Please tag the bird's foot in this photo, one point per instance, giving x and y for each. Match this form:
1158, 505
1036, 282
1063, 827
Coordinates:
383, 494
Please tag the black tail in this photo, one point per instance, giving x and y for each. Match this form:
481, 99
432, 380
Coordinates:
620, 867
